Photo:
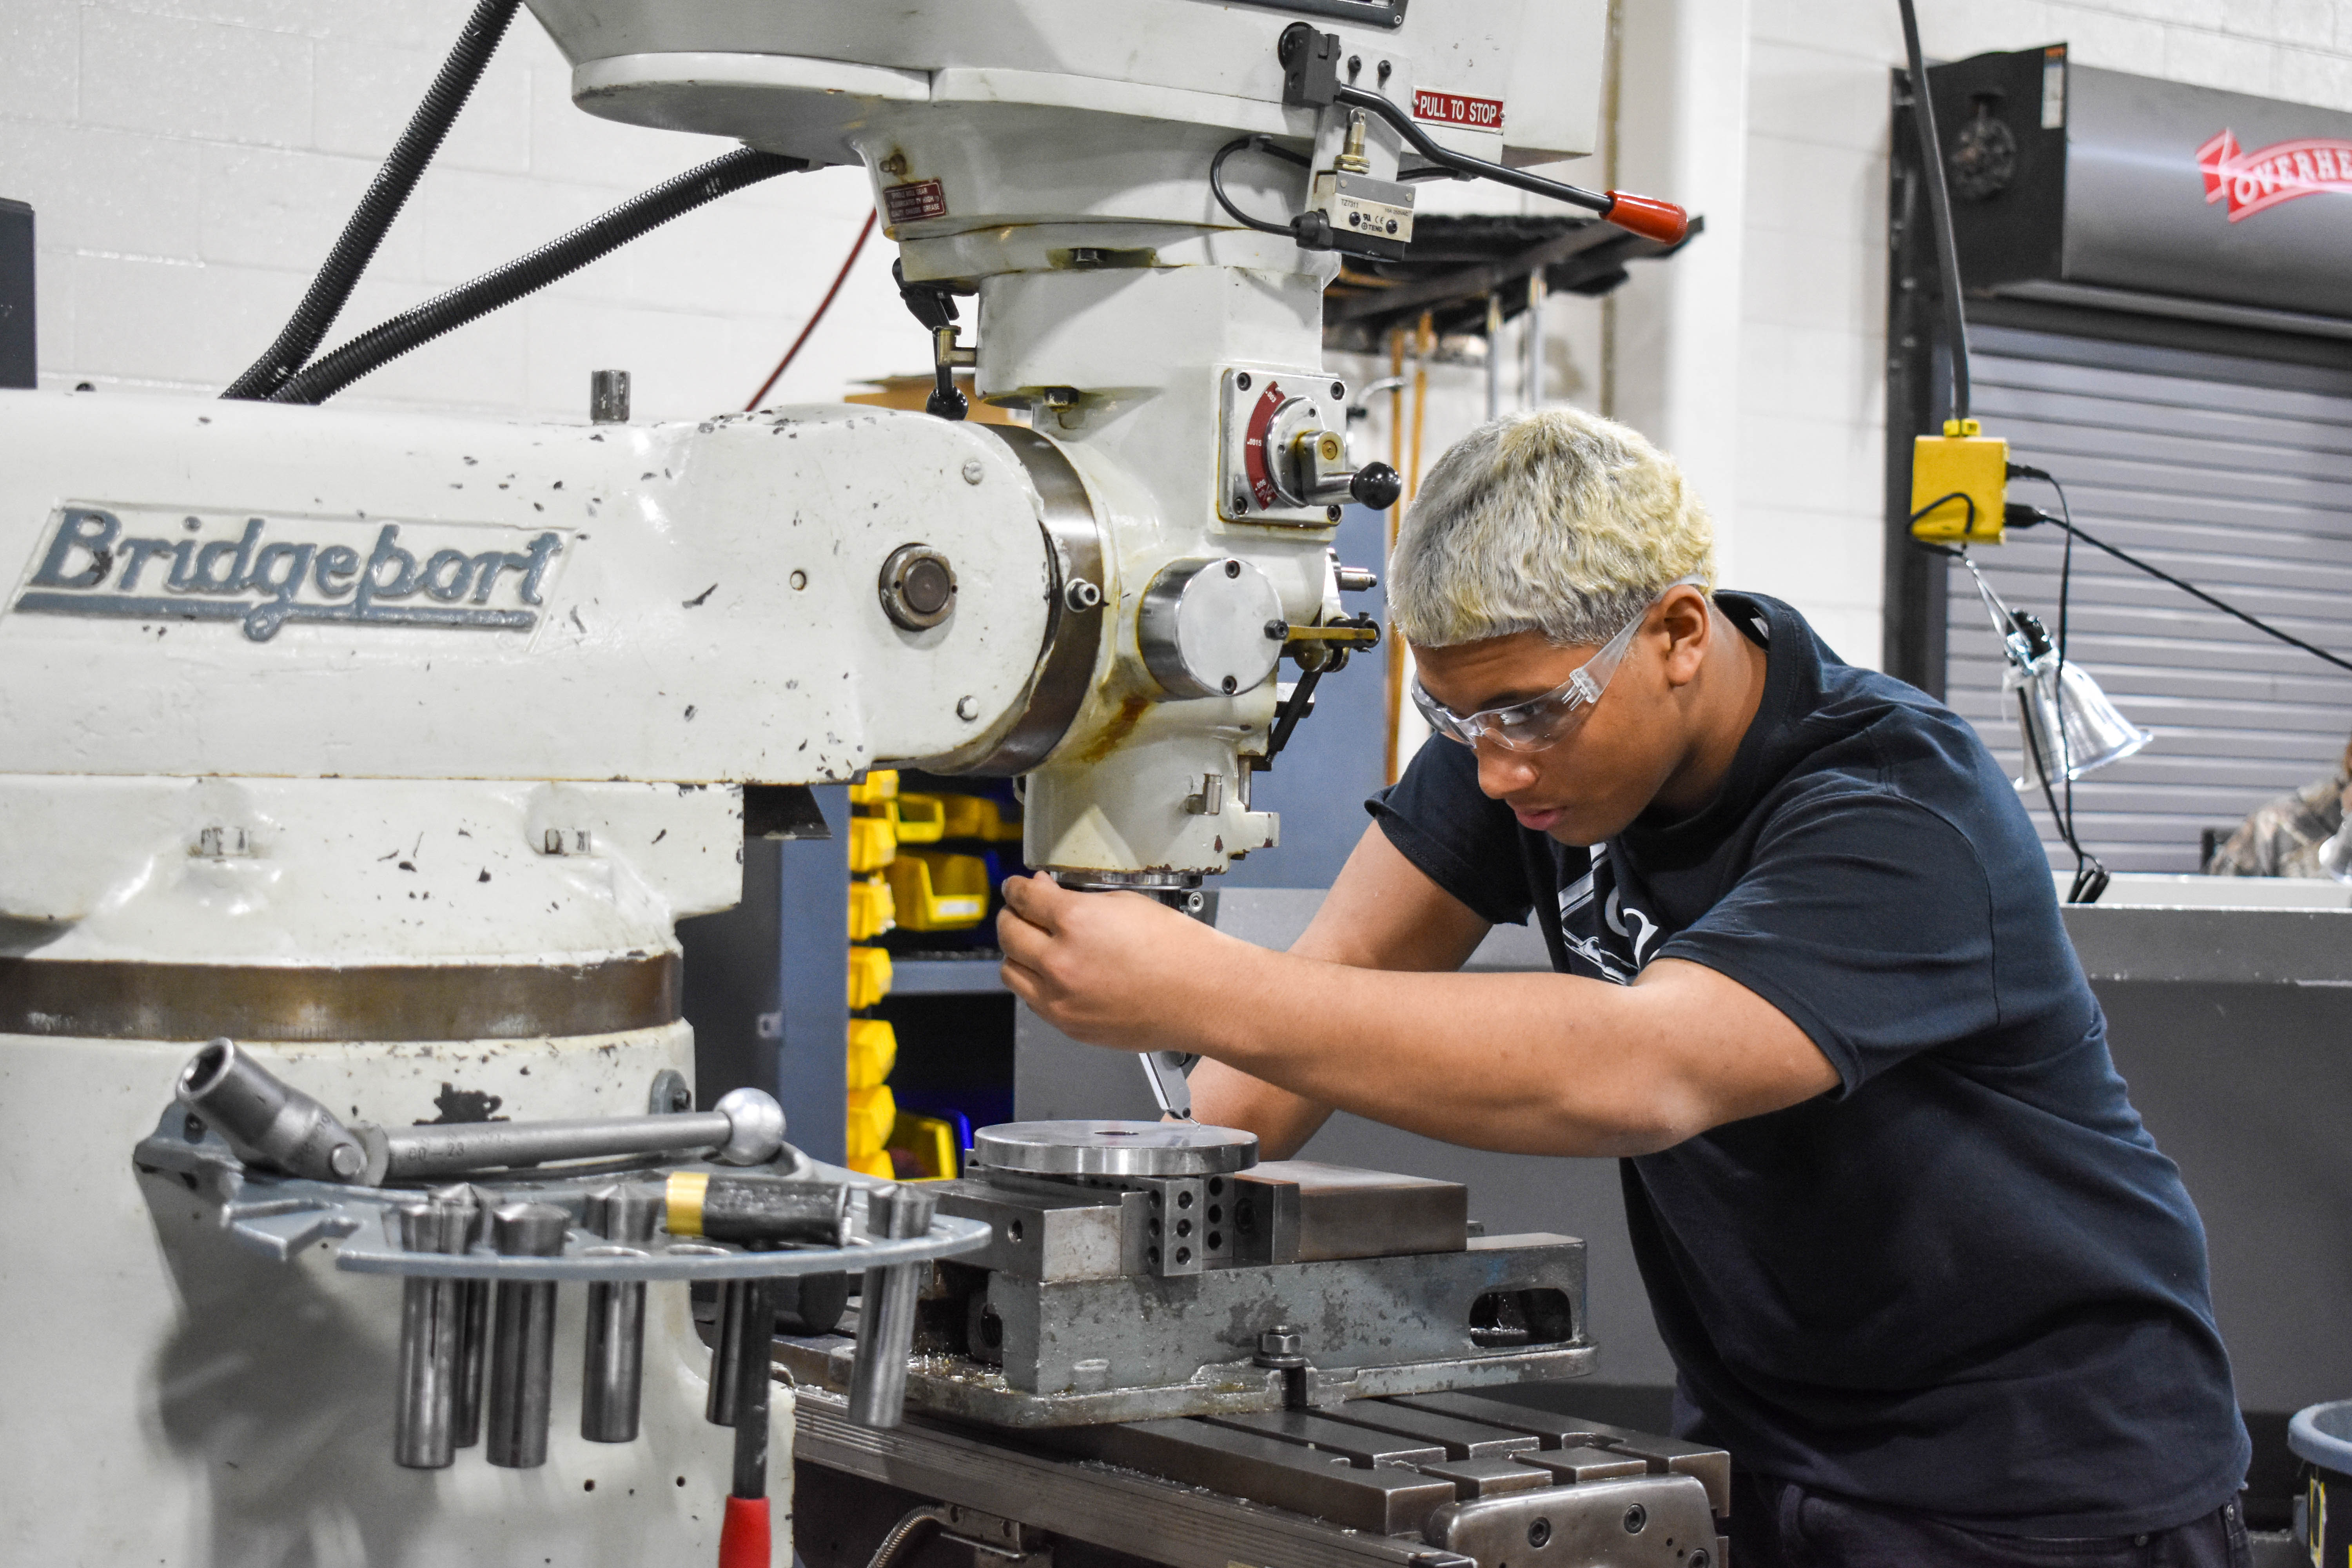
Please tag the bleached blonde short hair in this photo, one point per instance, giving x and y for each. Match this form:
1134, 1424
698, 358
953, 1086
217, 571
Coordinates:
1557, 522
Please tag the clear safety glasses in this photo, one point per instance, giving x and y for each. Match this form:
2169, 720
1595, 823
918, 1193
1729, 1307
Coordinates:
1542, 721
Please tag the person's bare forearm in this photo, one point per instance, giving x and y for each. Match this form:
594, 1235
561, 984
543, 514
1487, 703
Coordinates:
1529, 1064
1546, 1064
1227, 1097
1382, 913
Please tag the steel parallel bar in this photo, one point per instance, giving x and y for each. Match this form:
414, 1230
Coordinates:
1474, 1478
1586, 1463
1142, 1515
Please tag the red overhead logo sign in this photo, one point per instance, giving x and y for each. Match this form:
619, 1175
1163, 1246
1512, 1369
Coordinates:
1456, 109
2251, 182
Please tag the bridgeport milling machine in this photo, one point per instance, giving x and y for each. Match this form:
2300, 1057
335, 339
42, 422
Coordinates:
384, 752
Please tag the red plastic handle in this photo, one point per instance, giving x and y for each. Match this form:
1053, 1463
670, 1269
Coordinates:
743, 1539
1648, 216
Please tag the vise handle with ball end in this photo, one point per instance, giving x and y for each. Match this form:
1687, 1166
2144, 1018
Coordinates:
268, 1122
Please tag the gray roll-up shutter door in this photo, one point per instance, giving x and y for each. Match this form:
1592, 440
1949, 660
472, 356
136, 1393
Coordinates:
2235, 475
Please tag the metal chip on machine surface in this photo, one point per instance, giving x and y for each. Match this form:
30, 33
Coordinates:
1114, 1149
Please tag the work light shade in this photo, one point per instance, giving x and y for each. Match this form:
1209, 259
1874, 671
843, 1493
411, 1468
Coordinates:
2055, 702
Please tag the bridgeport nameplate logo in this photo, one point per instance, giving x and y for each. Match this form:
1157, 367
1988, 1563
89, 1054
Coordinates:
262, 573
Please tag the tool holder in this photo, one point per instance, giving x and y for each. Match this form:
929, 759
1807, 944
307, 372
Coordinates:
281, 1217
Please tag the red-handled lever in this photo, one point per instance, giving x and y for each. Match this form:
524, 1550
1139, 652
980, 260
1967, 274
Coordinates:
1647, 216
743, 1538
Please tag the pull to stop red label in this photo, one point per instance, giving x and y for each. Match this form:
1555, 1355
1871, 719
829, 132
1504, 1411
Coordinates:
1457, 108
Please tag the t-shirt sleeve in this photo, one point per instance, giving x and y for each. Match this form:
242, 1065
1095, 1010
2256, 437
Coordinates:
1867, 920
1466, 843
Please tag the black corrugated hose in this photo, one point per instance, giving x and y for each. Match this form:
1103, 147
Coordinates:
557, 258
355, 247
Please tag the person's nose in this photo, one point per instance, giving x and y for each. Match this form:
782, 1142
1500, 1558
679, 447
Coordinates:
1503, 771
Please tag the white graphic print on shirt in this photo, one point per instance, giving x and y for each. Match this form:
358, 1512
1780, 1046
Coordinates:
1583, 935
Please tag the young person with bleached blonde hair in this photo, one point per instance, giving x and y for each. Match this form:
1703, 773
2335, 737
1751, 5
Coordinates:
1922, 1270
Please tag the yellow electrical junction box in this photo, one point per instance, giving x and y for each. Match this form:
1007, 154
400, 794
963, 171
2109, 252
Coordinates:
1960, 482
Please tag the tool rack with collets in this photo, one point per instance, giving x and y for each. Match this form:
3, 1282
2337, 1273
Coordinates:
481, 1261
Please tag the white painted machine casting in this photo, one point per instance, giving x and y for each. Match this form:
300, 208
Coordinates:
394, 746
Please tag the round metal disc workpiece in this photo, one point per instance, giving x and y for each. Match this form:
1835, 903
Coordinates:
1115, 1148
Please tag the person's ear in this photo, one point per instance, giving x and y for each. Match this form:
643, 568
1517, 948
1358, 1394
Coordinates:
1689, 627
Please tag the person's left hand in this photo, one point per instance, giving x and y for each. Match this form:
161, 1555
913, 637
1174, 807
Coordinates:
1112, 969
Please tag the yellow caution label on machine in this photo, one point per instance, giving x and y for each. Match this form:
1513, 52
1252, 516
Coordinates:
1959, 483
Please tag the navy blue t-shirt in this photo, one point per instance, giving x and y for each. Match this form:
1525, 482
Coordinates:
1963, 1281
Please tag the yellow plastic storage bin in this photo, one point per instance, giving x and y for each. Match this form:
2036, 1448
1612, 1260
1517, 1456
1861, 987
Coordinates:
918, 818
873, 843
857, 1136
931, 1141
877, 1163
872, 910
939, 892
873, 1052
880, 784
872, 1114
978, 816
870, 976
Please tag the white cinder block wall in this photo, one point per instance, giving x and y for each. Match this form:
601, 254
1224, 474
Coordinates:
1805, 511
190, 160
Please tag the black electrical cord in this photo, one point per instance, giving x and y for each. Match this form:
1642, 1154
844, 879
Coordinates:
2065, 597
2020, 516
558, 258
2090, 873
1217, 181
1939, 211
386, 195
1968, 528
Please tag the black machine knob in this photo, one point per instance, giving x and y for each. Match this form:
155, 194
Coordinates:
1377, 485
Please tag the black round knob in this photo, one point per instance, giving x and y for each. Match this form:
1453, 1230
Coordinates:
1377, 485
